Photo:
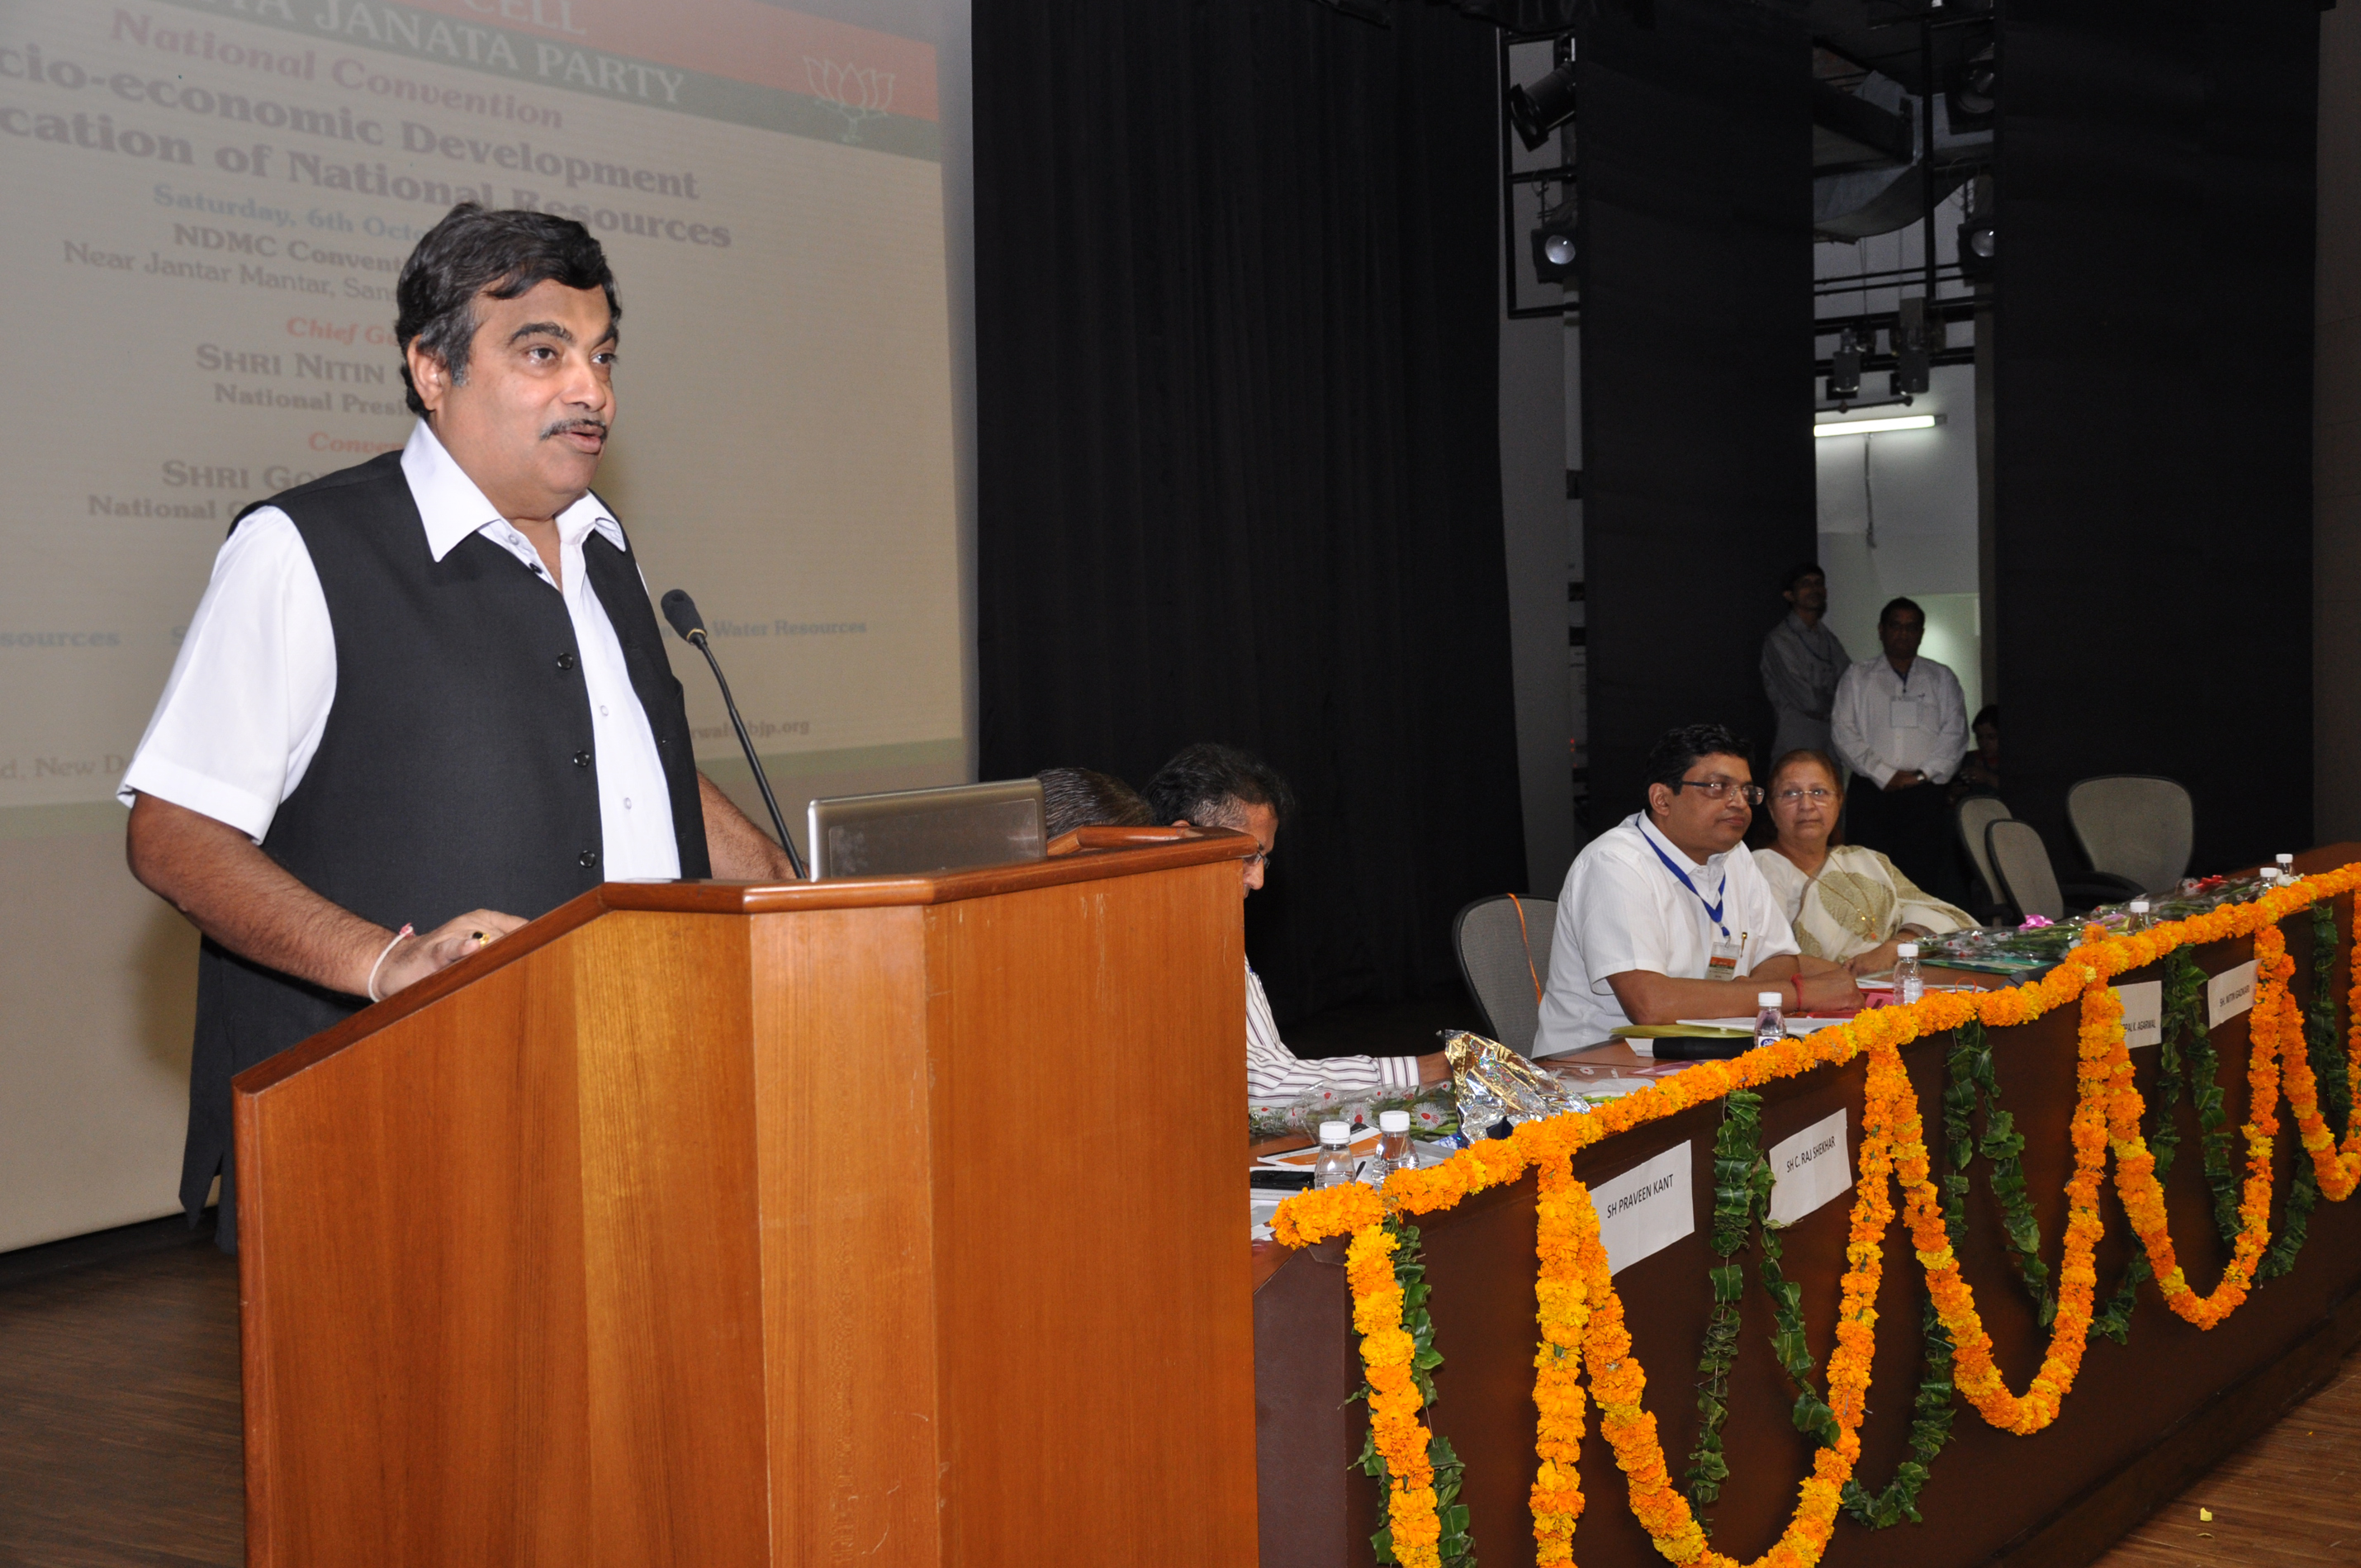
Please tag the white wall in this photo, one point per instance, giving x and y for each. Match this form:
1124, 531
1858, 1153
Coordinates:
1918, 489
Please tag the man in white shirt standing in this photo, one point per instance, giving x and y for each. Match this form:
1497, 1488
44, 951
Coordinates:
1902, 722
423, 700
1664, 916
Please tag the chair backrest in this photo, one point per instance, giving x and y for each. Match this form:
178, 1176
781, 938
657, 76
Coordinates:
2135, 825
2026, 878
1506, 964
1973, 815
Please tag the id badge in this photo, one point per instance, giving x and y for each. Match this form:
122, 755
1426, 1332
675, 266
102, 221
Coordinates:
1903, 714
1723, 965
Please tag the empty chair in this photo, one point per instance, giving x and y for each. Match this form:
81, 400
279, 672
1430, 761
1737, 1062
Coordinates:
2133, 826
2029, 881
1972, 816
1506, 964
2021, 860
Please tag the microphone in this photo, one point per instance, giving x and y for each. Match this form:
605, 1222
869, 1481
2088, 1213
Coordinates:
681, 611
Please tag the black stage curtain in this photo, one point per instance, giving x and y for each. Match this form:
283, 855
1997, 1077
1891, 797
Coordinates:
1516, 15
1239, 444
2154, 384
1697, 483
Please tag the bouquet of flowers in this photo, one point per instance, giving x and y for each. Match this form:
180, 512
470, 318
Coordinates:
1432, 1116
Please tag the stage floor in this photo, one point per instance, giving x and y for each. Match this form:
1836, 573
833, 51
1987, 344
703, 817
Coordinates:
119, 1429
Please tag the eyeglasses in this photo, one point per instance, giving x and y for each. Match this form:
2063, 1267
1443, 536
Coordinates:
1816, 795
1260, 858
1719, 789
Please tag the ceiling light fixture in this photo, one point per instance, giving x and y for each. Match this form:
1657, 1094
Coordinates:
1875, 426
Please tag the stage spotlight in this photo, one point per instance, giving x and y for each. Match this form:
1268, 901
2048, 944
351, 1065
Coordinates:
1913, 374
1974, 95
1979, 246
1844, 368
1554, 252
1916, 335
1538, 110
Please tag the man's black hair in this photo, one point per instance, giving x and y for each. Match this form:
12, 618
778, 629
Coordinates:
475, 251
1911, 605
1081, 797
1210, 785
1988, 714
1679, 751
1798, 572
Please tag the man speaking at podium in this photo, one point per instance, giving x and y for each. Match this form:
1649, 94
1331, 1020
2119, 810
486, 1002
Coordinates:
423, 700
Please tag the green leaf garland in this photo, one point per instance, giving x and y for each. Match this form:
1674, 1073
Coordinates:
1740, 1173
2185, 1009
1972, 1079
1741, 1205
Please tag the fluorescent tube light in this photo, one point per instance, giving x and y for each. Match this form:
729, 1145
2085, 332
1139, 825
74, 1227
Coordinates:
1875, 426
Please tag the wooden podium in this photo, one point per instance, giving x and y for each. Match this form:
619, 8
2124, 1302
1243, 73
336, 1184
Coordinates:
888, 1221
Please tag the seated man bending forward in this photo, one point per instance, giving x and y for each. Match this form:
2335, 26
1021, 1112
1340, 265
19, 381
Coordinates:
1659, 916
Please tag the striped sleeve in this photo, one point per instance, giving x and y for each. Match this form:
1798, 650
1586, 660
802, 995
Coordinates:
1274, 1072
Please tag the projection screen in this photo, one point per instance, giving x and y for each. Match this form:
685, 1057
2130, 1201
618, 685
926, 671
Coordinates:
209, 204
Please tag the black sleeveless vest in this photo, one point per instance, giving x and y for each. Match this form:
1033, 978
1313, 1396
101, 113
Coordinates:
455, 771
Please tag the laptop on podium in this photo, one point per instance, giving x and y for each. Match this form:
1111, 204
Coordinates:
910, 832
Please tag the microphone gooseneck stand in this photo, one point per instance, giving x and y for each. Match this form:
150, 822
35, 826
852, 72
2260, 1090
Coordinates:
681, 611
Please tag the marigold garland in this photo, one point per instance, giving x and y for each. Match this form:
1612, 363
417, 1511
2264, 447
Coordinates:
1386, 1349
1562, 1207
1576, 1304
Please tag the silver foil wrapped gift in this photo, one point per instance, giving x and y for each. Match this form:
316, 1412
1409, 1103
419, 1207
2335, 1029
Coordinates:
1493, 1083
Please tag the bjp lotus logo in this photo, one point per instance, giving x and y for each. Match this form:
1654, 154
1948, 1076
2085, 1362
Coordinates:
857, 93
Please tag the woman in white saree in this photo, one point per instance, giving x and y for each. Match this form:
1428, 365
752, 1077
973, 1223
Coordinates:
1846, 903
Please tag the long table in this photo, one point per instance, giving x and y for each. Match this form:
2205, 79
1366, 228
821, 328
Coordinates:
2142, 1420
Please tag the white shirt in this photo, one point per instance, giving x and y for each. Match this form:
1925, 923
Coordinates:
1274, 1072
1883, 723
249, 693
1623, 909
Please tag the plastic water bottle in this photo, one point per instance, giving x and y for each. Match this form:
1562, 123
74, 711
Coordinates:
1908, 983
2139, 920
1335, 1165
1393, 1145
1770, 1024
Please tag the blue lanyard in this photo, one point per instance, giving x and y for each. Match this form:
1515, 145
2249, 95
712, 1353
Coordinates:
1713, 910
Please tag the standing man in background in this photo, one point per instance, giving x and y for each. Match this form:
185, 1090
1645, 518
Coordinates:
1901, 721
1802, 661
423, 699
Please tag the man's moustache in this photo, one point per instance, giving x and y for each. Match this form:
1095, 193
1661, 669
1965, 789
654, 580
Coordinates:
587, 426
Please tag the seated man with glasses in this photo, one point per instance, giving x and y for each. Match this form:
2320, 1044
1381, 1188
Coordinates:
1665, 915
1208, 786
1845, 903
